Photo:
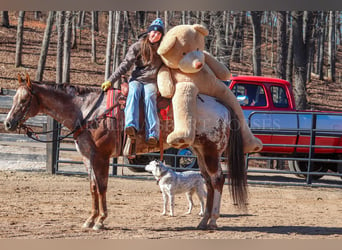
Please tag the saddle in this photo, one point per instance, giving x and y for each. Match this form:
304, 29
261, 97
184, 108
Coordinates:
117, 98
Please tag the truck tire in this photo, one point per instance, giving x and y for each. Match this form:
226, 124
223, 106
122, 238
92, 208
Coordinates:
183, 162
302, 166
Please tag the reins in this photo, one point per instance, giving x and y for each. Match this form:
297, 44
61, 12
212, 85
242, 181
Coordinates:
76, 131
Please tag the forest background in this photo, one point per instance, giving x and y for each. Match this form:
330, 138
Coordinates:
84, 47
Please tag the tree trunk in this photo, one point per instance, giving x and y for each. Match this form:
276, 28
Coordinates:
218, 27
226, 27
281, 44
45, 46
116, 56
310, 30
109, 44
67, 47
289, 63
19, 43
166, 20
331, 47
5, 19
320, 60
93, 40
74, 32
237, 37
256, 21
125, 32
272, 40
299, 54
59, 52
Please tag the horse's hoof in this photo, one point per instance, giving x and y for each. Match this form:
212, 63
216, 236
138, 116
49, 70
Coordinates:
202, 226
98, 226
88, 224
212, 226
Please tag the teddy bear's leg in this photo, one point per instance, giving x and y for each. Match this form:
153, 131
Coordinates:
250, 142
226, 96
184, 115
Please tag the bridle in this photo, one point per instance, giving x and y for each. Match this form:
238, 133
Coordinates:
27, 108
76, 131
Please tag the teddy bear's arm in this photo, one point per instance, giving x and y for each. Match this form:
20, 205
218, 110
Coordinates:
221, 71
165, 83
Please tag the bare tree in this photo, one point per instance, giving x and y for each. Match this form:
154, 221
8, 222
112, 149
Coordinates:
45, 46
67, 47
116, 56
19, 43
331, 47
60, 38
320, 46
289, 60
93, 40
74, 31
299, 54
125, 32
237, 36
5, 19
109, 44
256, 21
281, 44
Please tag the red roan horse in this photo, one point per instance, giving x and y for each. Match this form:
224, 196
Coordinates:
216, 133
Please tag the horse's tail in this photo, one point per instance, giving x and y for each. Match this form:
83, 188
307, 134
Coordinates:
237, 177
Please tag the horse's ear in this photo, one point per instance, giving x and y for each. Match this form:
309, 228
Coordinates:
28, 81
20, 80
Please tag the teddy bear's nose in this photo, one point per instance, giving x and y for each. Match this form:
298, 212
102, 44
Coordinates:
198, 65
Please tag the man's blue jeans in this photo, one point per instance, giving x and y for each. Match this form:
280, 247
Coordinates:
149, 93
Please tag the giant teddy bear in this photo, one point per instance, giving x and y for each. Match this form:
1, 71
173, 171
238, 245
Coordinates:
188, 71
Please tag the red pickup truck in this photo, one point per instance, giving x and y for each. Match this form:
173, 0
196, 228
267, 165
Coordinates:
269, 107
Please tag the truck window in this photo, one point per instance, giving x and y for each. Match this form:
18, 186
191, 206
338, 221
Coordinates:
279, 97
254, 94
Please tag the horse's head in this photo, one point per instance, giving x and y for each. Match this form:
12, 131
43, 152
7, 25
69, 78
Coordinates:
25, 105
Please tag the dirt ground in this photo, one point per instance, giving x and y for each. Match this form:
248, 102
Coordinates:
36, 205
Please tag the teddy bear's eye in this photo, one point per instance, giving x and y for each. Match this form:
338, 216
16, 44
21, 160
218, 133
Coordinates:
184, 53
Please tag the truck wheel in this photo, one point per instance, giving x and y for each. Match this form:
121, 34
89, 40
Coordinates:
302, 166
182, 161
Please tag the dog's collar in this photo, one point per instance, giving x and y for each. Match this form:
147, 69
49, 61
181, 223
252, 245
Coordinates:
162, 175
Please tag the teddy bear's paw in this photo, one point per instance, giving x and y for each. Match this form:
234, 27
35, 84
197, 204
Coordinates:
179, 141
253, 146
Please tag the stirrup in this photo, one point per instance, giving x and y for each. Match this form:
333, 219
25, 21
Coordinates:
152, 141
131, 132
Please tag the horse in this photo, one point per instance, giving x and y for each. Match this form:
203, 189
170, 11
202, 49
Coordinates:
78, 108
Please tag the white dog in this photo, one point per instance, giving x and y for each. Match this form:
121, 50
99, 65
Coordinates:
171, 183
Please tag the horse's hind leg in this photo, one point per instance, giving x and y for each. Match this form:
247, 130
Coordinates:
212, 173
98, 172
217, 182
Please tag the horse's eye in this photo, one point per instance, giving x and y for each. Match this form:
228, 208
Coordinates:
184, 53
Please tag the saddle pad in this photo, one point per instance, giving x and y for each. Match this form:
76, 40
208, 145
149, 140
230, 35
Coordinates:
112, 99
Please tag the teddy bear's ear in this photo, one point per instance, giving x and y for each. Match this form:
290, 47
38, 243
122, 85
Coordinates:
166, 44
201, 29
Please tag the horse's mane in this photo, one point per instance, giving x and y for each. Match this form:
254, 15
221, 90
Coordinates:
69, 89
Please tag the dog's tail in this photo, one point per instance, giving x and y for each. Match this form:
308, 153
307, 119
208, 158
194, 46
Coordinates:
237, 176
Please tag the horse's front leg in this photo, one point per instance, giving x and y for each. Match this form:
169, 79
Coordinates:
101, 168
90, 222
